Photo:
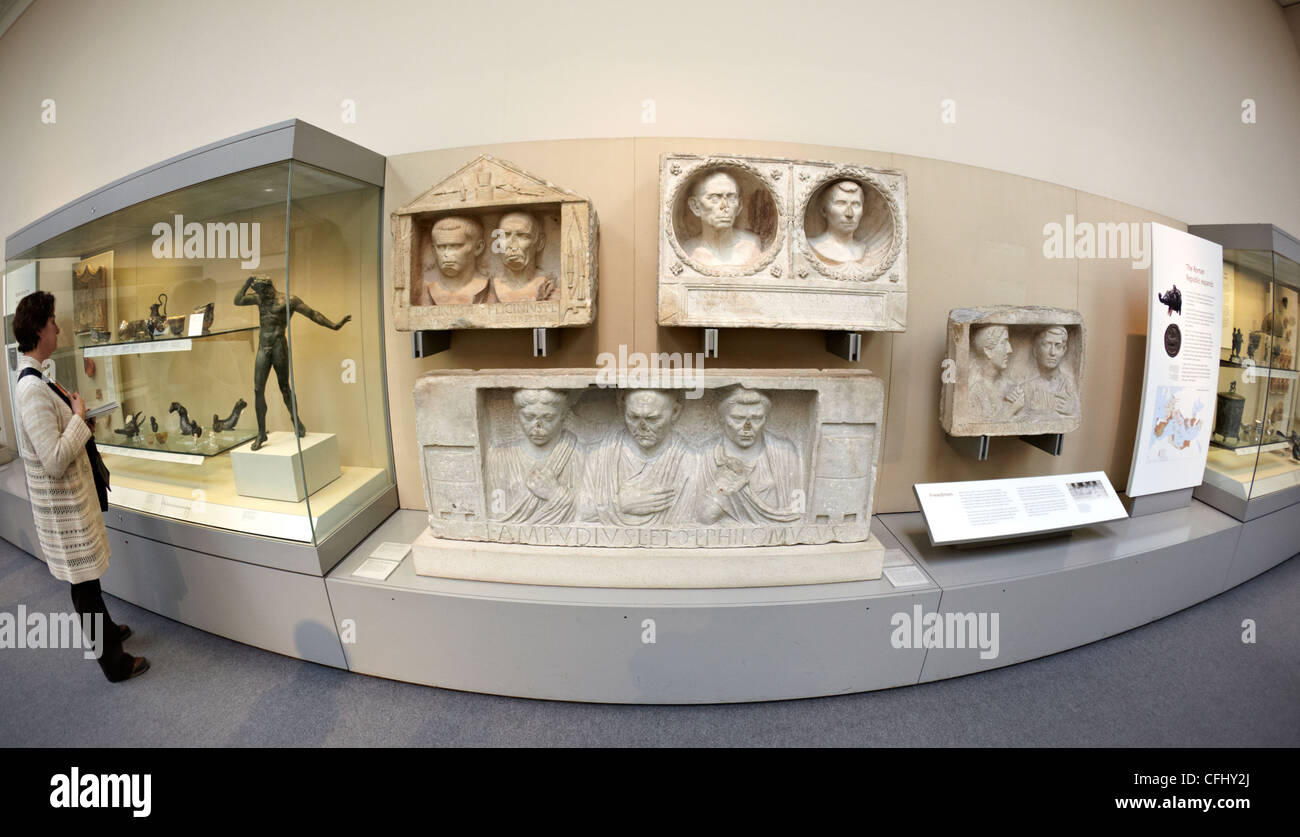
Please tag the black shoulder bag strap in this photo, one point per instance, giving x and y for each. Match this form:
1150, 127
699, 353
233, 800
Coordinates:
97, 466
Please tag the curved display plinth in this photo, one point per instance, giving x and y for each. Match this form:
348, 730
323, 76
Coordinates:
735, 645
1063, 592
713, 646
623, 646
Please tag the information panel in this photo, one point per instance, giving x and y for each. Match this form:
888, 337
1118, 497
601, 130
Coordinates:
978, 510
1184, 320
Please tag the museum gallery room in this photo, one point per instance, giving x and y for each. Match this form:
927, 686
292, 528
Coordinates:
682, 374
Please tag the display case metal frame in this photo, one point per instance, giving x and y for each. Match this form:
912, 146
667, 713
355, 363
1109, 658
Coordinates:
292, 140
1267, 238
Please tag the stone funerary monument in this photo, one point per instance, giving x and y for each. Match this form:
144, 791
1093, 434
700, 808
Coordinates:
493, 246
1015, 370
708, 479
772, 243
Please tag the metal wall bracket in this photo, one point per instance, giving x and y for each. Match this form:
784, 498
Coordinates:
974, 447
546, 341
711, 342
1049, 442
846, 344
426, 343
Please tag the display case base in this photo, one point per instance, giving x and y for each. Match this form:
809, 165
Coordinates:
559, 566
1265, 542
19, 528
280, 611
1246, 488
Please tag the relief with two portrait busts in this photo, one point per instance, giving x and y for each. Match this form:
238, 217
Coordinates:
493, 246
1013, 370
774, 243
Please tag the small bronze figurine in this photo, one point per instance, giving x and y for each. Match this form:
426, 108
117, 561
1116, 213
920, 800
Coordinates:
188, 427
1253, 345
219, 423
132, 428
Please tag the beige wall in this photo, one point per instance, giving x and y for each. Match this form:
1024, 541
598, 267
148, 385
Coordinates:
976, 239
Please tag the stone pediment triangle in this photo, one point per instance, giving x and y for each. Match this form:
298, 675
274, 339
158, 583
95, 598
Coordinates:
487, 181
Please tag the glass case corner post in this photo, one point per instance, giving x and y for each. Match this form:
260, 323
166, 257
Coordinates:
336, 343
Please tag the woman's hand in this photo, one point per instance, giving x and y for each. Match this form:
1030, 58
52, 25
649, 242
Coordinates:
78, 406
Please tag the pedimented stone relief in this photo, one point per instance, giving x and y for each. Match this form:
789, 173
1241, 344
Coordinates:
492, 246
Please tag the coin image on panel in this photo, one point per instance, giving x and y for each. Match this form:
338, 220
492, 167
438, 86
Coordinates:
1173, 340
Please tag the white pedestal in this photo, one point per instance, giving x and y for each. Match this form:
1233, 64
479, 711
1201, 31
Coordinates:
560, 566
277, 470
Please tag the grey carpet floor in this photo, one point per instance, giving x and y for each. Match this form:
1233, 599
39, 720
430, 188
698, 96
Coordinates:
1186, 680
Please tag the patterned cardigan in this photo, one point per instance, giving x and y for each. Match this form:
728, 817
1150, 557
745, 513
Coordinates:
60, 486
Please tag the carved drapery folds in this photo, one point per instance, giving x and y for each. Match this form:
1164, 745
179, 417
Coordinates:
728, 459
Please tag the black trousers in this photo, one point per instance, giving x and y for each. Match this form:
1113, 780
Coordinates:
88, 599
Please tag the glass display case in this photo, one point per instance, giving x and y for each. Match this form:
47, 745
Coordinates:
1254, 461
230, 331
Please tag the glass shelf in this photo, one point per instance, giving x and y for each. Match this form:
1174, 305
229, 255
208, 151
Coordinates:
208, 445
1252, 447
1261, 371
179, 343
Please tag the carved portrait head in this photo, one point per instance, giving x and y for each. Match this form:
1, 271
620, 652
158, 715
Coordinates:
723, 216
992, 342
649, 415
841, 206
541, 413
1049, 347
715, 200
523, 238
852, 224
457, 244
744, 413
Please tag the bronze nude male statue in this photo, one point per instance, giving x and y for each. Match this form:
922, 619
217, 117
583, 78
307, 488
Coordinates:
274, 311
